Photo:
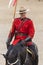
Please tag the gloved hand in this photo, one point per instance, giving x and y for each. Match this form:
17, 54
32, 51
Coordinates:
8, 43
22, 43
27, 39
9, 39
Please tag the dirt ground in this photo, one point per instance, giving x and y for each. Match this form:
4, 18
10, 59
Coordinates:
6, 16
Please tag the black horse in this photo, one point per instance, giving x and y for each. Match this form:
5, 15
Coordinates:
19, 56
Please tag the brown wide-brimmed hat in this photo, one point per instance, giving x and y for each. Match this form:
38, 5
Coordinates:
22, 10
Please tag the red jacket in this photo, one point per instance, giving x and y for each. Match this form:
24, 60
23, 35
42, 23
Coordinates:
26, 28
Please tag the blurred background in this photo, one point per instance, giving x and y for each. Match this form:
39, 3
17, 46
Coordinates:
6, 16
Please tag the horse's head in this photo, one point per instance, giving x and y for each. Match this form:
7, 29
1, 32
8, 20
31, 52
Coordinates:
12, 58
11, 61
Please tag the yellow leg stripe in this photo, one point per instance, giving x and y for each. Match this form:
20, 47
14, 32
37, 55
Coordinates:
29, 51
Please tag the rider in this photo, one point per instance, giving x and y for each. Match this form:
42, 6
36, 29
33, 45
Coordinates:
23, 30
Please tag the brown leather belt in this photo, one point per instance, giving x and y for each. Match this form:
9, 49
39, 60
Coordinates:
20, 34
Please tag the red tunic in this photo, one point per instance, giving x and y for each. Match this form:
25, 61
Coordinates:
26, 28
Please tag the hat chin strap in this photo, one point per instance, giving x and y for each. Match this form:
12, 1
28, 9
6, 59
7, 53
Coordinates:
22, 17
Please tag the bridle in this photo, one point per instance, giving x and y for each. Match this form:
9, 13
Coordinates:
12, 63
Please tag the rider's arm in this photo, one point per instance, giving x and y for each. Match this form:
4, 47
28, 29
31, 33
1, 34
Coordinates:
11, 34
31, 30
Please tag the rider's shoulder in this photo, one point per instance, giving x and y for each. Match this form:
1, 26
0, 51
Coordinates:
29, 20
16, 18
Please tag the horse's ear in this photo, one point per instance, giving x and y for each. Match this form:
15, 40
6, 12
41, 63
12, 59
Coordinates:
4, 56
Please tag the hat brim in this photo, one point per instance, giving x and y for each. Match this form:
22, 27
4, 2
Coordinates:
23, 12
